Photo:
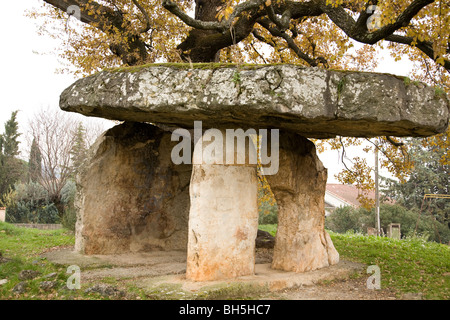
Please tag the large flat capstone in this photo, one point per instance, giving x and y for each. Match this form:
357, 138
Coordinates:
311, 102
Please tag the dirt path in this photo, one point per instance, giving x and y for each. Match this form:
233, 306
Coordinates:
350, 289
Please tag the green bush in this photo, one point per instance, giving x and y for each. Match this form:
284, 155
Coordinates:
29, 203
68, 193
358, 220
268, 214
69, 219
345, 219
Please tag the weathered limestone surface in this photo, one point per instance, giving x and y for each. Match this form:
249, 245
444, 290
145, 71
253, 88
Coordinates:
309, 101
131, 197
223, 219
301, 244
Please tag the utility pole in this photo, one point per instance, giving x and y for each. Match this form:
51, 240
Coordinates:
377, 193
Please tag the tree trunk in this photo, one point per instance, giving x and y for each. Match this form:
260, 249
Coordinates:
197, 47
132, 51
57, 201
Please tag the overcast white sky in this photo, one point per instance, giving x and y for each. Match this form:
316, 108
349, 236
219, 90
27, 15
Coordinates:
29, 81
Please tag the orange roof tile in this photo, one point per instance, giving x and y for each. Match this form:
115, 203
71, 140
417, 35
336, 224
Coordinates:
348, 192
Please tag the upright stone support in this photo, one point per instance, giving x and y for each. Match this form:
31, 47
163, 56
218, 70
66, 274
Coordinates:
223, 218
131, 196
301, 244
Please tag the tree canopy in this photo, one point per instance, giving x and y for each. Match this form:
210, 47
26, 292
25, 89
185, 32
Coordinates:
430, 175
314, 33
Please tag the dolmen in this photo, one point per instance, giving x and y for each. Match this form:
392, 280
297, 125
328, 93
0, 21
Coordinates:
181, 170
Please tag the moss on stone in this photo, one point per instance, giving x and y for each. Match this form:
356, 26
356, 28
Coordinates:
188, 66
439, 92
167, 291
233, 290
406, 81
341, 85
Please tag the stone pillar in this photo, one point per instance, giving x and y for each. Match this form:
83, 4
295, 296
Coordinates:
131, 196
301, 244
223, 219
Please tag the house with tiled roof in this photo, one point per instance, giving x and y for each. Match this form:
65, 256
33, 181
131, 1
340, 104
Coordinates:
342, 195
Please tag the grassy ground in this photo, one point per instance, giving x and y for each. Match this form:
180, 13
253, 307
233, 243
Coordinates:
408, 265
411, 265
20, 249
271, 228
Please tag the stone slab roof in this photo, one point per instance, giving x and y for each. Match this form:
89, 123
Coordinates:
312, 102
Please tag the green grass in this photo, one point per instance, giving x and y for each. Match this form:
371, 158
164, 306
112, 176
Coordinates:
270, 228
410, 265
22, 248
25, 242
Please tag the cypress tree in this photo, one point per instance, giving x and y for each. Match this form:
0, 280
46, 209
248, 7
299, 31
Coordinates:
35, 162
10, 167
79, 150
10, 143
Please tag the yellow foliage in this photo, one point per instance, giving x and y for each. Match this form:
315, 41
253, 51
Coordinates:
88, 49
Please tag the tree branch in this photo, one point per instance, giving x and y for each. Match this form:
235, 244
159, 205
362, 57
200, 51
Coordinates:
355, 31
173, 8
200, 45
343, 155
257, 52
424, 46
110, 15
394, 143
361, 23
283, 23
105, 20
146, 16
288, 9
402, 20
264, 22
262, 39
398, 145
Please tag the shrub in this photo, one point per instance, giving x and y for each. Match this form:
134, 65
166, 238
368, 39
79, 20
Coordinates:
267, 205
69, 219
68, 193
345, 219
29, 203
358, 220
268, 213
